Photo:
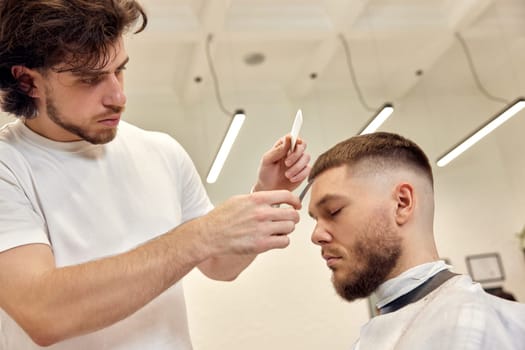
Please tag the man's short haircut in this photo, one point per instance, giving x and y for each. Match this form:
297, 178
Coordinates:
381, 148
41, 34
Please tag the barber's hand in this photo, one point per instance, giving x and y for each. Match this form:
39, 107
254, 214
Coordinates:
282, 169
250, 224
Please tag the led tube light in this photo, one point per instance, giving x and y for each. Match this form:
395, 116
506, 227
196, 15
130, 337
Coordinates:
383, 114
508, 112
227, 143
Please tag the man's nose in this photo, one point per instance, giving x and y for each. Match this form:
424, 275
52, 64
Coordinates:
320, 235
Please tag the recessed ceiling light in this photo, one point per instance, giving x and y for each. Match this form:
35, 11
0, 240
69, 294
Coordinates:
254, 58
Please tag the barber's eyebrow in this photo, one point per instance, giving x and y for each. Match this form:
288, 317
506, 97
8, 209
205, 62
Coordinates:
123, 64
86, 72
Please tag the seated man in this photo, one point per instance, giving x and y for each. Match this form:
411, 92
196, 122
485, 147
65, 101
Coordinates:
373, 202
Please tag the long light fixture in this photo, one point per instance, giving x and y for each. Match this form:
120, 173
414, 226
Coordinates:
384, 112
508, 112
505, 114
235, 124
227, 143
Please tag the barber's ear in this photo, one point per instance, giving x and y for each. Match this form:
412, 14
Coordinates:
26, 79
404, 195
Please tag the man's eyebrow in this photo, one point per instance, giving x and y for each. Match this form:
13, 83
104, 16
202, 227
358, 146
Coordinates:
323, 200
326, 198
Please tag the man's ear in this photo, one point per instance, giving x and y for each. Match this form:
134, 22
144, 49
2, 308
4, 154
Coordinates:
26, 80
404, 195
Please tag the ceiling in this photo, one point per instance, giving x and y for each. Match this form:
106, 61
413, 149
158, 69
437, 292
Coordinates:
390, 40
402, 51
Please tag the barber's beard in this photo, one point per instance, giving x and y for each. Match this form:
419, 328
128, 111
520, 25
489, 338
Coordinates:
91, 136
375, 257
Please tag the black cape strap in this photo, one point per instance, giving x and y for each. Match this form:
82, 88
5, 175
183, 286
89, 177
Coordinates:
419, 292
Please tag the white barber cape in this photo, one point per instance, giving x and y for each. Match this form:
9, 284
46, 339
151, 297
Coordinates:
459, 314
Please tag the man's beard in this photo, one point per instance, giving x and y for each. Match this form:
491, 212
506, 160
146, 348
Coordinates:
94, 137
376, 257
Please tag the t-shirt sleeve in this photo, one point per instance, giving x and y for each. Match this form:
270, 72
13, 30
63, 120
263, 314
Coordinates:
195, 200
20, 222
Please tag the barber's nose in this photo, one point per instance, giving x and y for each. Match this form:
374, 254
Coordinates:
320, 235
115, 96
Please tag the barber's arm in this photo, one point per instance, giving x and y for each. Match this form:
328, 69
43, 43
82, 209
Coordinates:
279, 169
55, 303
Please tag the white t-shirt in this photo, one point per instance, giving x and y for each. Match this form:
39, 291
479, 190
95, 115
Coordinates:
90, 201
457, 315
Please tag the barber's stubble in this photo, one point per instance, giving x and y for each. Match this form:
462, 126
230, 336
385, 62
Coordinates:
94, 137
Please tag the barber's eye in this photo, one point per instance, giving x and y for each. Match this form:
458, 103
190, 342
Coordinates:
91, 80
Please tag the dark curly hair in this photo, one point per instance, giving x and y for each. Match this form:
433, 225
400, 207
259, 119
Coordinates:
40, 34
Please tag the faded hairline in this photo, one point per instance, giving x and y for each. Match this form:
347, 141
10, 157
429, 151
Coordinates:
377, 165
